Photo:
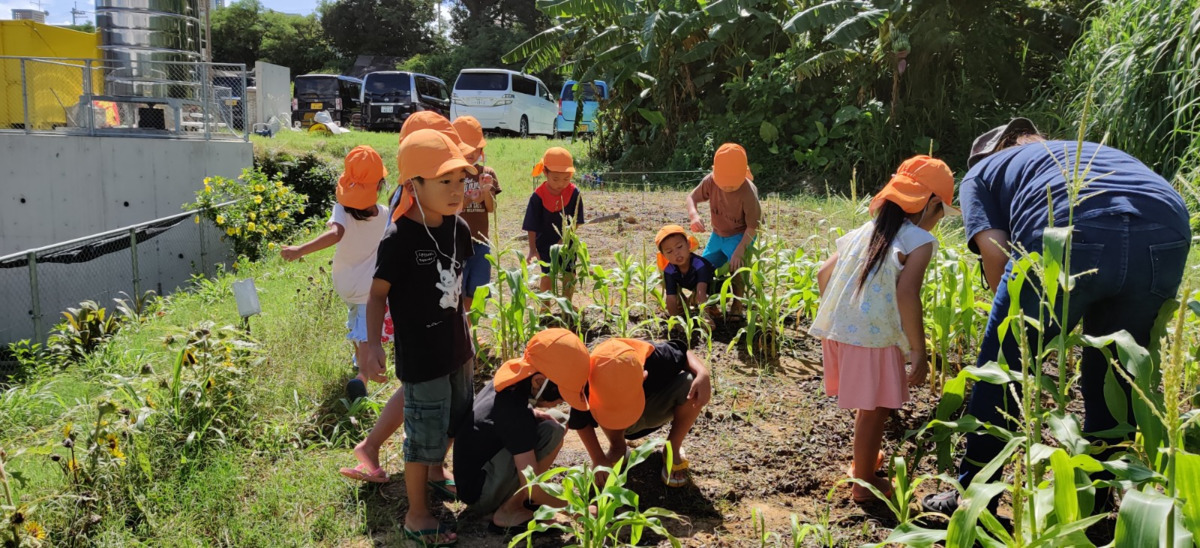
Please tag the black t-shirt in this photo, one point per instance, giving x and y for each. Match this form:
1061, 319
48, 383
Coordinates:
700, 271
668, 360
431, 329
547, 225
498, 420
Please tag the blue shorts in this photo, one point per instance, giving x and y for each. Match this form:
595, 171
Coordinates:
720, 248
478, 271
356, 323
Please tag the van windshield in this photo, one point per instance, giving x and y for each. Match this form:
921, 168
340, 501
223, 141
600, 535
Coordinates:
316, 87
482, 81
387, 87
589, 92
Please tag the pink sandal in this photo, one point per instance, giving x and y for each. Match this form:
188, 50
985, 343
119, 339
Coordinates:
379, 475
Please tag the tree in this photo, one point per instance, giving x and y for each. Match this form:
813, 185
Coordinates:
237, 31
398, 28
297, 42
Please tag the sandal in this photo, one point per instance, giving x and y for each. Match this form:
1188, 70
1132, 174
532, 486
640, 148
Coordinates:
945, 503
378, 475
669, 479
442, 488
438, 534
878, 465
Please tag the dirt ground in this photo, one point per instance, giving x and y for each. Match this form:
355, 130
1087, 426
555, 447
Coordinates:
770, 441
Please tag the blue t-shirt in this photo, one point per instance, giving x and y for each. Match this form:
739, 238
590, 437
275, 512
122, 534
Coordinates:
547, 225
701, 271
1007, 191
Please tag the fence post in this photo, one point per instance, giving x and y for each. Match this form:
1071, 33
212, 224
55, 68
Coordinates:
87, 93
203, 249
35, 297
137, 282
244, 104
25, 96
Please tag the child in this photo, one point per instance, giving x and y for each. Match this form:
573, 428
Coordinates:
356, 226
426, 119
870, 311
481, 200
419, 271
733, 201
634, 388
682, 268
509, 431
549, 207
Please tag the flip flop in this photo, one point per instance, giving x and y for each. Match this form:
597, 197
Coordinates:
423, 534
509, 531
442, 487
355, 389
378, 475
670, 481
878, 464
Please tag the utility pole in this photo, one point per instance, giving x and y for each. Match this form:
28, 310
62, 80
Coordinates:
76, 13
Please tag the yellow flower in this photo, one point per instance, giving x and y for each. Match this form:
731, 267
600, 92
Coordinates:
257, 199
35, 530
220, 219
250, 225
271, 245
278, 184
197, 219
237, 231
207, 181
67, 431
209, 384
259, 188
253, 216
72, 465
282, 215
229, 231
150, 402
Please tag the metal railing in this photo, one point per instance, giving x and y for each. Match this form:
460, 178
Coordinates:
160, 255
174, 99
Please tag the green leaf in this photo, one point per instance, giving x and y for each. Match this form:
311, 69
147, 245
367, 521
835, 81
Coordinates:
1142, 521
655, 117
1187, 486
908, 534
767, 132
845, 114
1066, 502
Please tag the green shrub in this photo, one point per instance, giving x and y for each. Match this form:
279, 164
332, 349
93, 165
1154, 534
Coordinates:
265, 209
306, 174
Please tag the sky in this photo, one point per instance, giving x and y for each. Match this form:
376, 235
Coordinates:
60, 10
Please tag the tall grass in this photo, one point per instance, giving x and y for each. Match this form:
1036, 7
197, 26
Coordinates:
1140, 60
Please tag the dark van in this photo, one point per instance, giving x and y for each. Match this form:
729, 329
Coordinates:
330, 92
389, 97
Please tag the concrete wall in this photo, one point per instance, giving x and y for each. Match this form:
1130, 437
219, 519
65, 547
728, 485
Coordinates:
274, 95
55, 188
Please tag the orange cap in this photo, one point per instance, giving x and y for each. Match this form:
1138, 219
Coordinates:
560, 356
358, 187
615, 391
555, 159
429, 154
917, 179
730, 168
670, 230
471, 131
428, 119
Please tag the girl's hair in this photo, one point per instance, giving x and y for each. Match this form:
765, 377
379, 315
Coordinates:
1019, 139
360, 214
887, 224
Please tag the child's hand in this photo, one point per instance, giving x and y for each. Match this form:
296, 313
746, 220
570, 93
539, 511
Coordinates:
290, 252
486, 182
371, 359
697, 224
701, 391
919, 369
533, 258
735, 262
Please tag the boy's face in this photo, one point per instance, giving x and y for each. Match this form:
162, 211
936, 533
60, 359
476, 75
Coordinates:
557, 180
441, 195
676, 249
474, 157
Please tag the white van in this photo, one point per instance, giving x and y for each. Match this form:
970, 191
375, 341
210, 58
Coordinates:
504, 100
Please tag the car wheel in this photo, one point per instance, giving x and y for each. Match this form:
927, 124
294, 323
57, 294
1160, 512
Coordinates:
524, 132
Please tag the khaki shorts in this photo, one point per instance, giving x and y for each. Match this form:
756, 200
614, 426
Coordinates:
501, 478
660, 406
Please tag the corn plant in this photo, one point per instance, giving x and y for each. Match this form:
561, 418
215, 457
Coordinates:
780, 287
515, 317
601, 513
954, 315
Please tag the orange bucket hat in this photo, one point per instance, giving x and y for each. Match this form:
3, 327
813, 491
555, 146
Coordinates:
730, 168
560, 356
914, 182
428, 119
470, 131
615, 391
555, 159
428, 154
671, 230
358, 187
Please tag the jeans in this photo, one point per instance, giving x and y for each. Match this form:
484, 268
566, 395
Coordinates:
1139, 265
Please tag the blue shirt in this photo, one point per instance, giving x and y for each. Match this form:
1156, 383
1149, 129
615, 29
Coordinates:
548, 226
1007, 191
700, 271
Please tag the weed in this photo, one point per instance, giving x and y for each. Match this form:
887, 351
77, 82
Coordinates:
82, 331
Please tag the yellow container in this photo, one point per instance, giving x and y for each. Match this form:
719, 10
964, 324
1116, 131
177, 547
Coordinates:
53, 86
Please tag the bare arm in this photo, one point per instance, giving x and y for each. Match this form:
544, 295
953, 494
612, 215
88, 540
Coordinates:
993, 246
533, 252
328, 238
701, 390
591, 443
697, 224
826, 272
908, 299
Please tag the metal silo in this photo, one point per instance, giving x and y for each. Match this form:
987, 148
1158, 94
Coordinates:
143, 41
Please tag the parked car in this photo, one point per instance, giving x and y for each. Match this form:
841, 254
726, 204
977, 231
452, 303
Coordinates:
592, 93
333, 93
504, 100
389, 97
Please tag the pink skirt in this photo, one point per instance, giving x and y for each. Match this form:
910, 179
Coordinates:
865, 378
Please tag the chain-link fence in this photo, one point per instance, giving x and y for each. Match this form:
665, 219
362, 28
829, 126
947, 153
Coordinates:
159, 255
123, 98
